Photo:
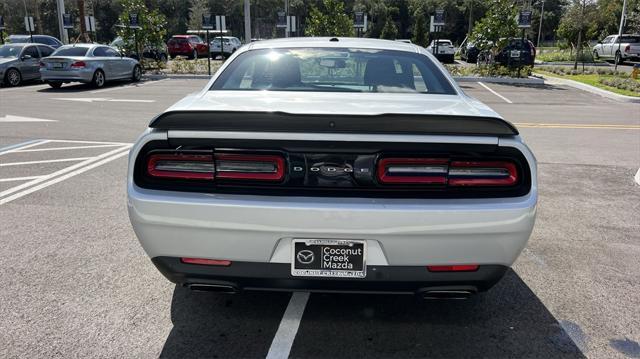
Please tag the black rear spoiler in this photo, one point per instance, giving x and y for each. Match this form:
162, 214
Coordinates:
287, 122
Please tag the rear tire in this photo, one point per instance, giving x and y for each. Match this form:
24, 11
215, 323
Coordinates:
194, 55
595, 55
98, 79
13, 78
54, 84
137, 73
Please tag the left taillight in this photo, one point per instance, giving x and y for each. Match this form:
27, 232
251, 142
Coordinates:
78, 65
217, 166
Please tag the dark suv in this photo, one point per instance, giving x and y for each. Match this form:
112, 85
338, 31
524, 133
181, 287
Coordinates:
516, 52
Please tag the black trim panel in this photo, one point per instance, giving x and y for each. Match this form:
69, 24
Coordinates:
329, 123
277, 276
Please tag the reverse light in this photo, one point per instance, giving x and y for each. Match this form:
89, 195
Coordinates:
206, 262
479, 173
412, 171
197, 167
454, 268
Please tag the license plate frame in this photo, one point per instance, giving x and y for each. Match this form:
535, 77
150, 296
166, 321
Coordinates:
57, 65
315, 253
514, 53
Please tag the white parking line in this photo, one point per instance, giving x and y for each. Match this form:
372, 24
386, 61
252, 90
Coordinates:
17, 145
283, 340
12, 118
21, 146
637, 176
19, 179
77, 166
96, 142
66, 176
44, 161
495, 93
128, 86
64, 148
100, 99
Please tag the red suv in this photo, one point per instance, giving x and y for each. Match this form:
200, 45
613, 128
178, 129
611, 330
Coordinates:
191, 46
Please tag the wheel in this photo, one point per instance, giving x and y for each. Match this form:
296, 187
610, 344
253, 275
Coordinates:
13, 77
98, 79
137, 74
54, 84
595, 55
163, 58
194, 55
618, 59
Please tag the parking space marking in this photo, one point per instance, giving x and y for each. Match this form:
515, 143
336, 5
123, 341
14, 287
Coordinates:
100, 99
38, 182
19, 179
66, 176
64, 148
128, 86
12, 118
286, 334
44, 161
495, 93
637, 177
20, 146
577, 125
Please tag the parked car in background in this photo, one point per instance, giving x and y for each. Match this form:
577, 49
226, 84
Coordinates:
446, 51
230, 45
619, 49
292, 170
516, 52
469, 53
40, 39
149, 52
88, 63
190, 46
21, 62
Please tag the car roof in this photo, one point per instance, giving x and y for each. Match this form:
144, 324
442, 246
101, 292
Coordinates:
337, 42
183, 36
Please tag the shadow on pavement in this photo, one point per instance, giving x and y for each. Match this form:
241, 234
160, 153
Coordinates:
508, 321
213, 325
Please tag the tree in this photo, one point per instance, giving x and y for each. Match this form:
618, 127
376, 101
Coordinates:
197, 9
419, 29
330, 21
152, 26
579, 22
499, 22
389, 31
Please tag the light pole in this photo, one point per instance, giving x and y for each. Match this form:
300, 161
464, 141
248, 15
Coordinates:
64, 37
247, 21
540, 25
618, 58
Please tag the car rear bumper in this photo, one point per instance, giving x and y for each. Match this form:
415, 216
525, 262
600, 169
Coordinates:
276, 276
61, 75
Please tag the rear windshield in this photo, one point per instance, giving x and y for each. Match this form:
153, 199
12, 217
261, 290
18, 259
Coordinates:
71, 51
333, 70
177, 40
629, 39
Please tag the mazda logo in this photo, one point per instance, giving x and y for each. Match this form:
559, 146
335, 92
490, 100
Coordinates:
305, 256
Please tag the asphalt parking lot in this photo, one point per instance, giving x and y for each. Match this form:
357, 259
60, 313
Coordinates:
76, 283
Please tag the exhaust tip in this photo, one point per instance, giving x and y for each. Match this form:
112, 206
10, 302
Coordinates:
219, 288
448, 294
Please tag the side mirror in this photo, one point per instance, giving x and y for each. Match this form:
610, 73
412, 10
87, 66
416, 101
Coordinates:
25, 57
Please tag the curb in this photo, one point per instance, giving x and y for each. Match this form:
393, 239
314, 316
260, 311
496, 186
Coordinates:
501, 80
592, 64
592, 89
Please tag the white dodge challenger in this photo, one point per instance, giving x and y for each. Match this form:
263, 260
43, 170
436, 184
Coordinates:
332, 164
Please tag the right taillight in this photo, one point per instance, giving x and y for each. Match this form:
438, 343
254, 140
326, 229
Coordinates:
482, 173
438, 171
78, 65
217, 166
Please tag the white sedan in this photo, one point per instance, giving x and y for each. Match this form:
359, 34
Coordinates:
332, 164
443, 50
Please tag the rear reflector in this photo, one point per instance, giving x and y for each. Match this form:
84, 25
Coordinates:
197, 167
413, 170
493, 173
207, 262
217, 166
454, 268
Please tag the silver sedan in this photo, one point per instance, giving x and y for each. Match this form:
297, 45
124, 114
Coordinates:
19, 62
88, 63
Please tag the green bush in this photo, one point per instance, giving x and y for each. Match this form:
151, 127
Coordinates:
194, 67
622, 83
489, 71
568, 70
